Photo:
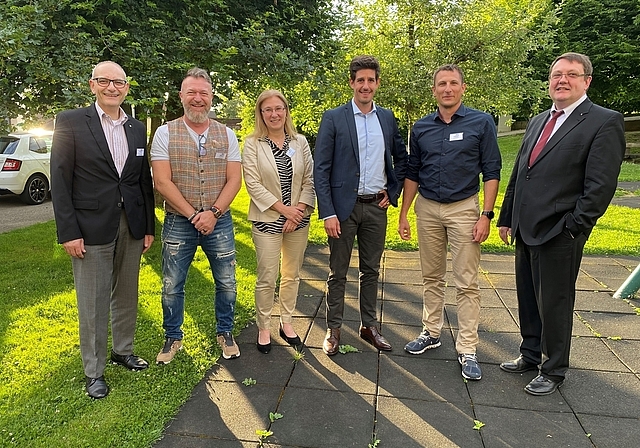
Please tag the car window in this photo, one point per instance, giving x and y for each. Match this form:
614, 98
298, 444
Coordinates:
8, 145
37, 145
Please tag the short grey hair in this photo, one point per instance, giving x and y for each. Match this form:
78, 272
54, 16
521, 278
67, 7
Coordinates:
196, 72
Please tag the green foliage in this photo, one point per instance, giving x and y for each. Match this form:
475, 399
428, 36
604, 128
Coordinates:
273, 416
249, 382
477, 424
346, 348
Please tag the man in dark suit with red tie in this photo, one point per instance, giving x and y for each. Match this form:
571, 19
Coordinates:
104, 210
562, 181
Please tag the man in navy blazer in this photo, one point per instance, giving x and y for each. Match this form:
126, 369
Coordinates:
556, 193
104, 210
359, 165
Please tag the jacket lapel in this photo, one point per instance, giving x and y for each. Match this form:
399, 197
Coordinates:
351, 125
576, 117
93, 121
131, 143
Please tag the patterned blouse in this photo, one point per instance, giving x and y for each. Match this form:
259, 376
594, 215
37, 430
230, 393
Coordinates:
285, 172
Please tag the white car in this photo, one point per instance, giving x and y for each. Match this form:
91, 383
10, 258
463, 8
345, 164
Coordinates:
25, 165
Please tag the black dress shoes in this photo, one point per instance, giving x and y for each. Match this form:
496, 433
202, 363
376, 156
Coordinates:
542, 386
97, 387
518, 365
331, 342
264, 348
373, 337
295, 341
131, 362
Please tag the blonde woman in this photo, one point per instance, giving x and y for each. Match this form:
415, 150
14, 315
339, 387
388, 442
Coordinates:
278, 173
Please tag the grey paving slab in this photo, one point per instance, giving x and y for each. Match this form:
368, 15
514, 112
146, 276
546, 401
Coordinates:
422, 378
611, 432
601, 301
614, 325
357, 372
627, 351
502, 281
324, 418
603, 393
524, 428
594, 354
411, 423
398, 335
402, 293
506, 390
498, 347
491, 319
407, 400
215, 406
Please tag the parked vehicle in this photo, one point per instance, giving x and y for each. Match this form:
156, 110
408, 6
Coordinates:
25, 165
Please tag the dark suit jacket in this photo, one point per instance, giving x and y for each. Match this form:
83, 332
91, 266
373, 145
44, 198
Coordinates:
337, 160
573, 179
87, 192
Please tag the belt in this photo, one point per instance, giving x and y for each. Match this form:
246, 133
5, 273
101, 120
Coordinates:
369, 198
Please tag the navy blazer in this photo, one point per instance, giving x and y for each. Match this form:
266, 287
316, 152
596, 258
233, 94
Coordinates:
337, 160
571, 182
86, 190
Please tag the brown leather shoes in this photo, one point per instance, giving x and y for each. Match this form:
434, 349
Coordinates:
373, 337
331, 341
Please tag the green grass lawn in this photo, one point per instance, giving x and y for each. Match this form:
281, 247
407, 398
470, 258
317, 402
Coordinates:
42, 401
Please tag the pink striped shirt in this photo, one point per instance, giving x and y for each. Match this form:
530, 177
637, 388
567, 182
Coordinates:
116, 137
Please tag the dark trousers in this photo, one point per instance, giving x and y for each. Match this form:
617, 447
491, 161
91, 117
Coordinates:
367, 223
545, 281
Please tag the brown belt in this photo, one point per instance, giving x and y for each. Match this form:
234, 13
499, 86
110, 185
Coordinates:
369, 198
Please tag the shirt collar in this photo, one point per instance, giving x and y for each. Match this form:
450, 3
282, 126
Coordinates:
461, 112
357, 111
567, 110
102, 113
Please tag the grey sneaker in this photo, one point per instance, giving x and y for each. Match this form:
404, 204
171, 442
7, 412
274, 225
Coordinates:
169, 350
229, 347
422, 343
470, 367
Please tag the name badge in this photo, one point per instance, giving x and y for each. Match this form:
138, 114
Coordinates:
291, 152
139, 152
221, 155
455, 137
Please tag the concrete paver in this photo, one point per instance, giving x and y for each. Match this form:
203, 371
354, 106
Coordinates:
406, 400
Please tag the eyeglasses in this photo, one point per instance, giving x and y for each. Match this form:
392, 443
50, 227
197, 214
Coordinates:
202, 139
572, 75
270, 110
104, 82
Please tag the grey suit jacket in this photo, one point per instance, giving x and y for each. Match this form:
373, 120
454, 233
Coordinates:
86, 190
571, 182
337, 160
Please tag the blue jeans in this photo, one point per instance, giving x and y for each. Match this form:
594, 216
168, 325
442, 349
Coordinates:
180, 240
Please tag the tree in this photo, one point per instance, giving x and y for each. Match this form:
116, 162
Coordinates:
48, 47
608, 32
489, 39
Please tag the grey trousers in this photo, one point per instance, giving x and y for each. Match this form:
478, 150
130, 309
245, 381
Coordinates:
367, 223
106, 280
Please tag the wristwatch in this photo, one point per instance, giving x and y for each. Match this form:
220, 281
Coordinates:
216, 212
489, 214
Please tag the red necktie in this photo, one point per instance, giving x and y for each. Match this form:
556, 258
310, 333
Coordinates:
544, 137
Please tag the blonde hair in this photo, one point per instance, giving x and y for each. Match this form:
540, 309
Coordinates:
260, 129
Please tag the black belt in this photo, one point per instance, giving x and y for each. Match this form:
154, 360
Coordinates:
369, 198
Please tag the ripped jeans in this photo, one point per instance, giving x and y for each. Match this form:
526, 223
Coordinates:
180, 239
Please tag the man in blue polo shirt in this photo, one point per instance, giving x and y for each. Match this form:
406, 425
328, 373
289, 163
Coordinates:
448, 150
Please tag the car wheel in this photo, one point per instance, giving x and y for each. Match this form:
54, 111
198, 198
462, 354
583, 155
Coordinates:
36, 190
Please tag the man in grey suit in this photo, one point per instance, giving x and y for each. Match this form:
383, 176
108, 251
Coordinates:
359, 166
104, 210
562, 181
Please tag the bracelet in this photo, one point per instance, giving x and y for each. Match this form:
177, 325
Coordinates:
216, 212
193, 216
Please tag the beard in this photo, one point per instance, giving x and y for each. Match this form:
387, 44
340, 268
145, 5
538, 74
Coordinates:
196, 117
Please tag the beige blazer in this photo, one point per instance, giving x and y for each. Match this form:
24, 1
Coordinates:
263, 182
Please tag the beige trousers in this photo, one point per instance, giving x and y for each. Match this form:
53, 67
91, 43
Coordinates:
271, 251
439, 225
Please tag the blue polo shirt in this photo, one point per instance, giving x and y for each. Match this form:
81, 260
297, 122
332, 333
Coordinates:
446, 159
